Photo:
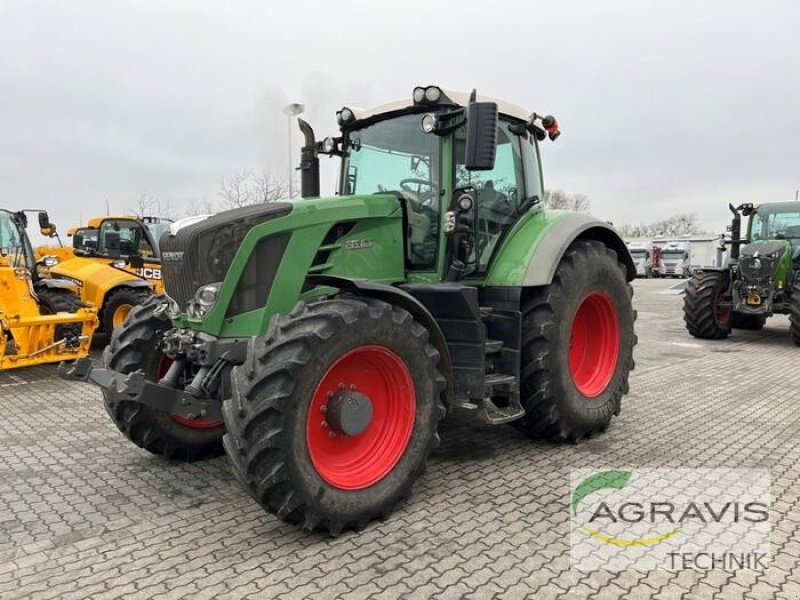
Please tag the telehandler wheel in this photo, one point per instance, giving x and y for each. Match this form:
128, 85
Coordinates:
577, 346
134, 346
751, 322
119, 303
56, 300
334, 412
702, 314
794, 316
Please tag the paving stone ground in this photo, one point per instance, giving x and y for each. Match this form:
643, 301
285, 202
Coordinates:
85, 514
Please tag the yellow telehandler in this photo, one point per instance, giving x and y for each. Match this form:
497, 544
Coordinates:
114, 262
41, 320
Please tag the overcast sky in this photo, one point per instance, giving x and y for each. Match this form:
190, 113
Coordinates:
675, 107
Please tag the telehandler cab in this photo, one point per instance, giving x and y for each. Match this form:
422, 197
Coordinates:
321, 341
41, 320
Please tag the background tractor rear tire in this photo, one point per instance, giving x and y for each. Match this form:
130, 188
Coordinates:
701, 313
119, 303
794, 315
56, 300
283, 450
751, 322
577, 347
134, 346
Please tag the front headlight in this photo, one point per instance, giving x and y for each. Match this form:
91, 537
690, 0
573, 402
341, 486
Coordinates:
203, 300
50, 261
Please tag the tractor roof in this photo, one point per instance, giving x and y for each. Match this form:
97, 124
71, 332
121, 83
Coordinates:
779, 207
459, 98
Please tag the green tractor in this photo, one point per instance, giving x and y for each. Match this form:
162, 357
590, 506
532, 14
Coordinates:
761, 277
321, 341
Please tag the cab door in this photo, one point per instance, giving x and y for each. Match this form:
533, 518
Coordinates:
498, 193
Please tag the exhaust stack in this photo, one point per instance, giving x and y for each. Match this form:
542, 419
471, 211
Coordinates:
736, 232
309, 162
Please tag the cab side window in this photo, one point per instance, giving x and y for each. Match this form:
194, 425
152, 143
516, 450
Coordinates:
498, 193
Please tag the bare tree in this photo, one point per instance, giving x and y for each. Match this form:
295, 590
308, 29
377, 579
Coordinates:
676, 225
564, 201
246, 188
148, 205
202, 207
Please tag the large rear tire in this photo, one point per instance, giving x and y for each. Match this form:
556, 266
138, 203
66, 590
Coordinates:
794, 315
703, 316
578, 341
58, 300
134, 346
287, 440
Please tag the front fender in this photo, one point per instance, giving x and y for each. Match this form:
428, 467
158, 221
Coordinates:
533, 249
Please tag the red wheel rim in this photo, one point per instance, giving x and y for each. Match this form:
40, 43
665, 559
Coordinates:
164, 363
721, 314
594, 344
357, 462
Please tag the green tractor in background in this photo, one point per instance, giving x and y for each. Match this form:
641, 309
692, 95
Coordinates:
761, 277
321, 341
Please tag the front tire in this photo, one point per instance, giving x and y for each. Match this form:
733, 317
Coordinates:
703, 316
134, 346
287, 444
577, 350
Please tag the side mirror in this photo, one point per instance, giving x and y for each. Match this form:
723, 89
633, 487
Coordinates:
113, 244
481, 136
46, 228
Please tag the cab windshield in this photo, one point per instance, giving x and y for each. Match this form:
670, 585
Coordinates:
775, 225
395, 156
12, 241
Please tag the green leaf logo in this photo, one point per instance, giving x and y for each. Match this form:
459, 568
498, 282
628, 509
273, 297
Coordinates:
599, 481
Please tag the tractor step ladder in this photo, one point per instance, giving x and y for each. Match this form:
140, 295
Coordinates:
498, 385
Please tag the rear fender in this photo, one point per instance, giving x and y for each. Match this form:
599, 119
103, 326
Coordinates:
532, 251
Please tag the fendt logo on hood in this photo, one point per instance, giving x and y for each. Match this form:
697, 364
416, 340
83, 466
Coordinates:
172, 256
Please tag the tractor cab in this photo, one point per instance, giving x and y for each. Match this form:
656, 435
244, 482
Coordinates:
776, 221
461, 164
